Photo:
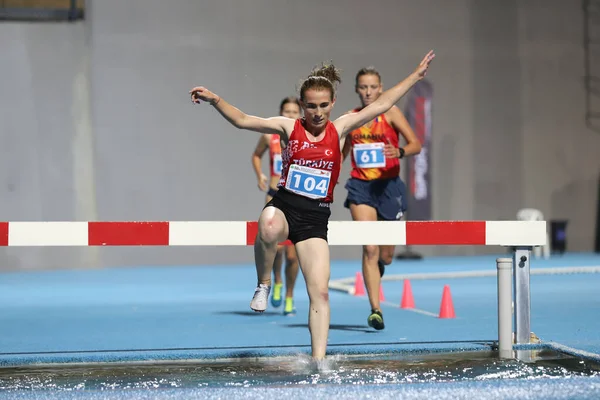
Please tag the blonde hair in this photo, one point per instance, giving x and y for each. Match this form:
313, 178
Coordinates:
367, 71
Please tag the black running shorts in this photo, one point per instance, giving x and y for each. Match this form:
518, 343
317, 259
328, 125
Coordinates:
306, 218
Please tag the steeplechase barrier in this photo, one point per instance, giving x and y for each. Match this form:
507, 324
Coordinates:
520, 236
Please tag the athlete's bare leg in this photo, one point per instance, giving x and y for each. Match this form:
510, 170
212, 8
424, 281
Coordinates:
313, 255
370, 256
277, 265
291, 270
272, 229
386, 254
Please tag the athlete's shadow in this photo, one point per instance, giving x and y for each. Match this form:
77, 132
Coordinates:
337, 327
249, 313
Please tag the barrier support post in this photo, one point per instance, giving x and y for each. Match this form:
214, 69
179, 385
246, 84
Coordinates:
504, 269
522, 294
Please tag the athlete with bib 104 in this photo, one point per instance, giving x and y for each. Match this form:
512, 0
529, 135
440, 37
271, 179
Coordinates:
375, 190
300, 209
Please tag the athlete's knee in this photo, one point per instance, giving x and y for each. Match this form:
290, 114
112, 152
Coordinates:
386, 254
371, 251
291, 259
270, 229
318, 293
386, 258
321, 296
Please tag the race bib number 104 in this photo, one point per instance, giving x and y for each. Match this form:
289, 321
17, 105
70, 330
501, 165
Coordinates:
308, 182
369, 155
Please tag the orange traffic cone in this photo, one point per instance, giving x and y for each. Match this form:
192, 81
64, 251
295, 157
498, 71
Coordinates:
381, 296
359, 285
408, 301
447, 308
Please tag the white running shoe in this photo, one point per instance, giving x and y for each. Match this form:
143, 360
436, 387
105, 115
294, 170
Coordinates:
261, 298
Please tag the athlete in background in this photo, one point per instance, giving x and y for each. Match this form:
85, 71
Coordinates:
290, 108
375, 190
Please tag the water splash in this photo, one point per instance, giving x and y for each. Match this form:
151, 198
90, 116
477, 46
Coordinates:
298, 370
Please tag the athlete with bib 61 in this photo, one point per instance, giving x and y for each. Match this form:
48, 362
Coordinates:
375, 190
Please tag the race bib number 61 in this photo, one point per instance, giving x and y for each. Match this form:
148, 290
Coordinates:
369, 155
308, 182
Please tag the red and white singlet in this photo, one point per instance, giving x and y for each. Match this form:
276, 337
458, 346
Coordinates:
311, 169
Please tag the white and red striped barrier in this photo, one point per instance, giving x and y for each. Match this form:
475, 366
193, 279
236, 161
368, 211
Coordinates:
522, 235
243, 233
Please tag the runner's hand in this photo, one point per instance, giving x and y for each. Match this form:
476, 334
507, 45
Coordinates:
262, 183
421, 70
200, 93
391, 151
